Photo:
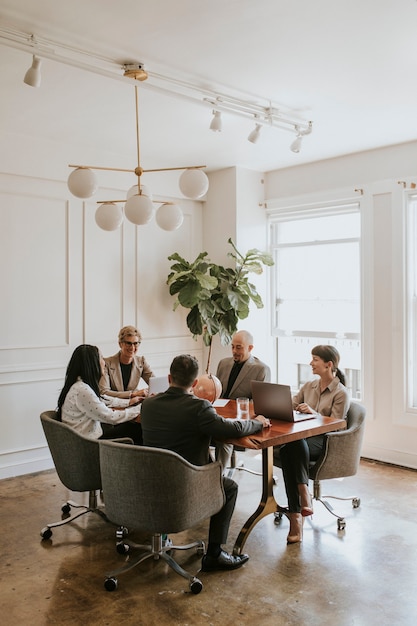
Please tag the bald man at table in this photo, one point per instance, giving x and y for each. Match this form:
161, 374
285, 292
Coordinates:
235, 374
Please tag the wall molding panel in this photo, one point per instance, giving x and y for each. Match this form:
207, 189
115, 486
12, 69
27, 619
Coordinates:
69, 282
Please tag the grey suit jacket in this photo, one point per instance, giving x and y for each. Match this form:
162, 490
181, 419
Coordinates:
111, 382
252, 369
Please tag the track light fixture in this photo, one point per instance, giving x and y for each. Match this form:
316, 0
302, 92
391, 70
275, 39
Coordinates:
216, 122
266, 113
297, 143
255, 133
33, 75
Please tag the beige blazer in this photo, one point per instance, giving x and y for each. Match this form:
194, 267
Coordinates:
252, 369
111, 383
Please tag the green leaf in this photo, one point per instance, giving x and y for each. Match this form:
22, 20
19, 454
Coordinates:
194, 322
206, 281
177, 257
206, 308
254, 267
243, 312
207, 337
189, 294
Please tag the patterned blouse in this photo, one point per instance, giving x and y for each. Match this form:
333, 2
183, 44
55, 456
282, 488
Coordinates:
84, 411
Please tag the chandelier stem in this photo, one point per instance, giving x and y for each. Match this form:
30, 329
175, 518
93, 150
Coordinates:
172, 169
119, 169
138, 169
95, 167
124, 201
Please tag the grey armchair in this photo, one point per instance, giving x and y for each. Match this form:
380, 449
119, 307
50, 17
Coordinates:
157, 491
77, 462
340, 458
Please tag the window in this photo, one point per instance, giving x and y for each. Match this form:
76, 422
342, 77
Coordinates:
316, 290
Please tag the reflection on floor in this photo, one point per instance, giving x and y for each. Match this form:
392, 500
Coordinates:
364, 575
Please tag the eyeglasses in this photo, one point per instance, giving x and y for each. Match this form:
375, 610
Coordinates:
135, 344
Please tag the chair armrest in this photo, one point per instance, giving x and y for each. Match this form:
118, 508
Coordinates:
341, 454
205, 491
126, 440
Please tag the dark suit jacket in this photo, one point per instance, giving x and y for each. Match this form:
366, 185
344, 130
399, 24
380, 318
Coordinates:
252, 369
179, 421
112, 380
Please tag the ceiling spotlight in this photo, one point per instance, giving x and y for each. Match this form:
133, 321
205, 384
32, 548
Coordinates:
296, 144
216, 122
254, 134
33, 75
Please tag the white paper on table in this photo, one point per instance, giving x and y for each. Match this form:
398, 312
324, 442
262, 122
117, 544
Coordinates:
221, 402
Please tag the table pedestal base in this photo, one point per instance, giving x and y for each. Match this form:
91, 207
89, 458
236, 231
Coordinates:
267, 505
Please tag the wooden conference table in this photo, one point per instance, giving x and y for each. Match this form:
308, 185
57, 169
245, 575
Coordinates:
279, 433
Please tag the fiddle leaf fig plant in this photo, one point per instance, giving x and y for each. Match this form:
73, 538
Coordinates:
217, 297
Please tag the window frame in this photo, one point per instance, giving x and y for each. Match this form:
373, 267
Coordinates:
410, 261
298, 209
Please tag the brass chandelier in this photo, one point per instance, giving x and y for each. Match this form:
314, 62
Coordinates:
138, 204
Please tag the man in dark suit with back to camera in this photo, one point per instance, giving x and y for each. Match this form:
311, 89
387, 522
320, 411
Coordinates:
179, 421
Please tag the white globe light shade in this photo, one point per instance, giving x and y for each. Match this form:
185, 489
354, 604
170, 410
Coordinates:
169, 216
82, 182
109, 216
133, 191
139, 209
193, 183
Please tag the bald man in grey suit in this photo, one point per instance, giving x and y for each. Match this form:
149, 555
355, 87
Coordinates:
235, 374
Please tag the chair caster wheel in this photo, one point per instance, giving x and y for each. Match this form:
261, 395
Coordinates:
122, 548
122, 532
341, 524
46, 533
356, 502
66, 508
110, 584
277, 518
196, 586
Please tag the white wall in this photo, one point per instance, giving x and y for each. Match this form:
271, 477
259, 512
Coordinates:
64, 281
235, 208
354, 170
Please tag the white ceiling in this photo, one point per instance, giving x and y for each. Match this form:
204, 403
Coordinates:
348, 65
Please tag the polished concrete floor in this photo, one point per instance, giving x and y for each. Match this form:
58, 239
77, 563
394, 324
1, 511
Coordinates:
362, 576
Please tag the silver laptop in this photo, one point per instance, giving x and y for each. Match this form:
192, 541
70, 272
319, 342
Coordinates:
157, 384
275, 402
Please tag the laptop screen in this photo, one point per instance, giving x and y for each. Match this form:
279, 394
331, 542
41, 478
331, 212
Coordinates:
275, 402
157, 384
272, 400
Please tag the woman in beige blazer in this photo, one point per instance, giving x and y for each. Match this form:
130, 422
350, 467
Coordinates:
125, 369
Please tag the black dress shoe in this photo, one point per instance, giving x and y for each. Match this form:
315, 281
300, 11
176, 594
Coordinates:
224, 561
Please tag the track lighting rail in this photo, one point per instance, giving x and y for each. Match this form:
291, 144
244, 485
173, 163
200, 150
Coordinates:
266, 114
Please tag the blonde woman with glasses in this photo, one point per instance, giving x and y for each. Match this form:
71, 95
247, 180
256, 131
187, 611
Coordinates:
125, 369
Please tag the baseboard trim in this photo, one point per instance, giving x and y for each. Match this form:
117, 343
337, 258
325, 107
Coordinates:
25, 462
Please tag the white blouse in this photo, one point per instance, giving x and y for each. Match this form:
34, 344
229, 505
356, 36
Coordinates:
84, 411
